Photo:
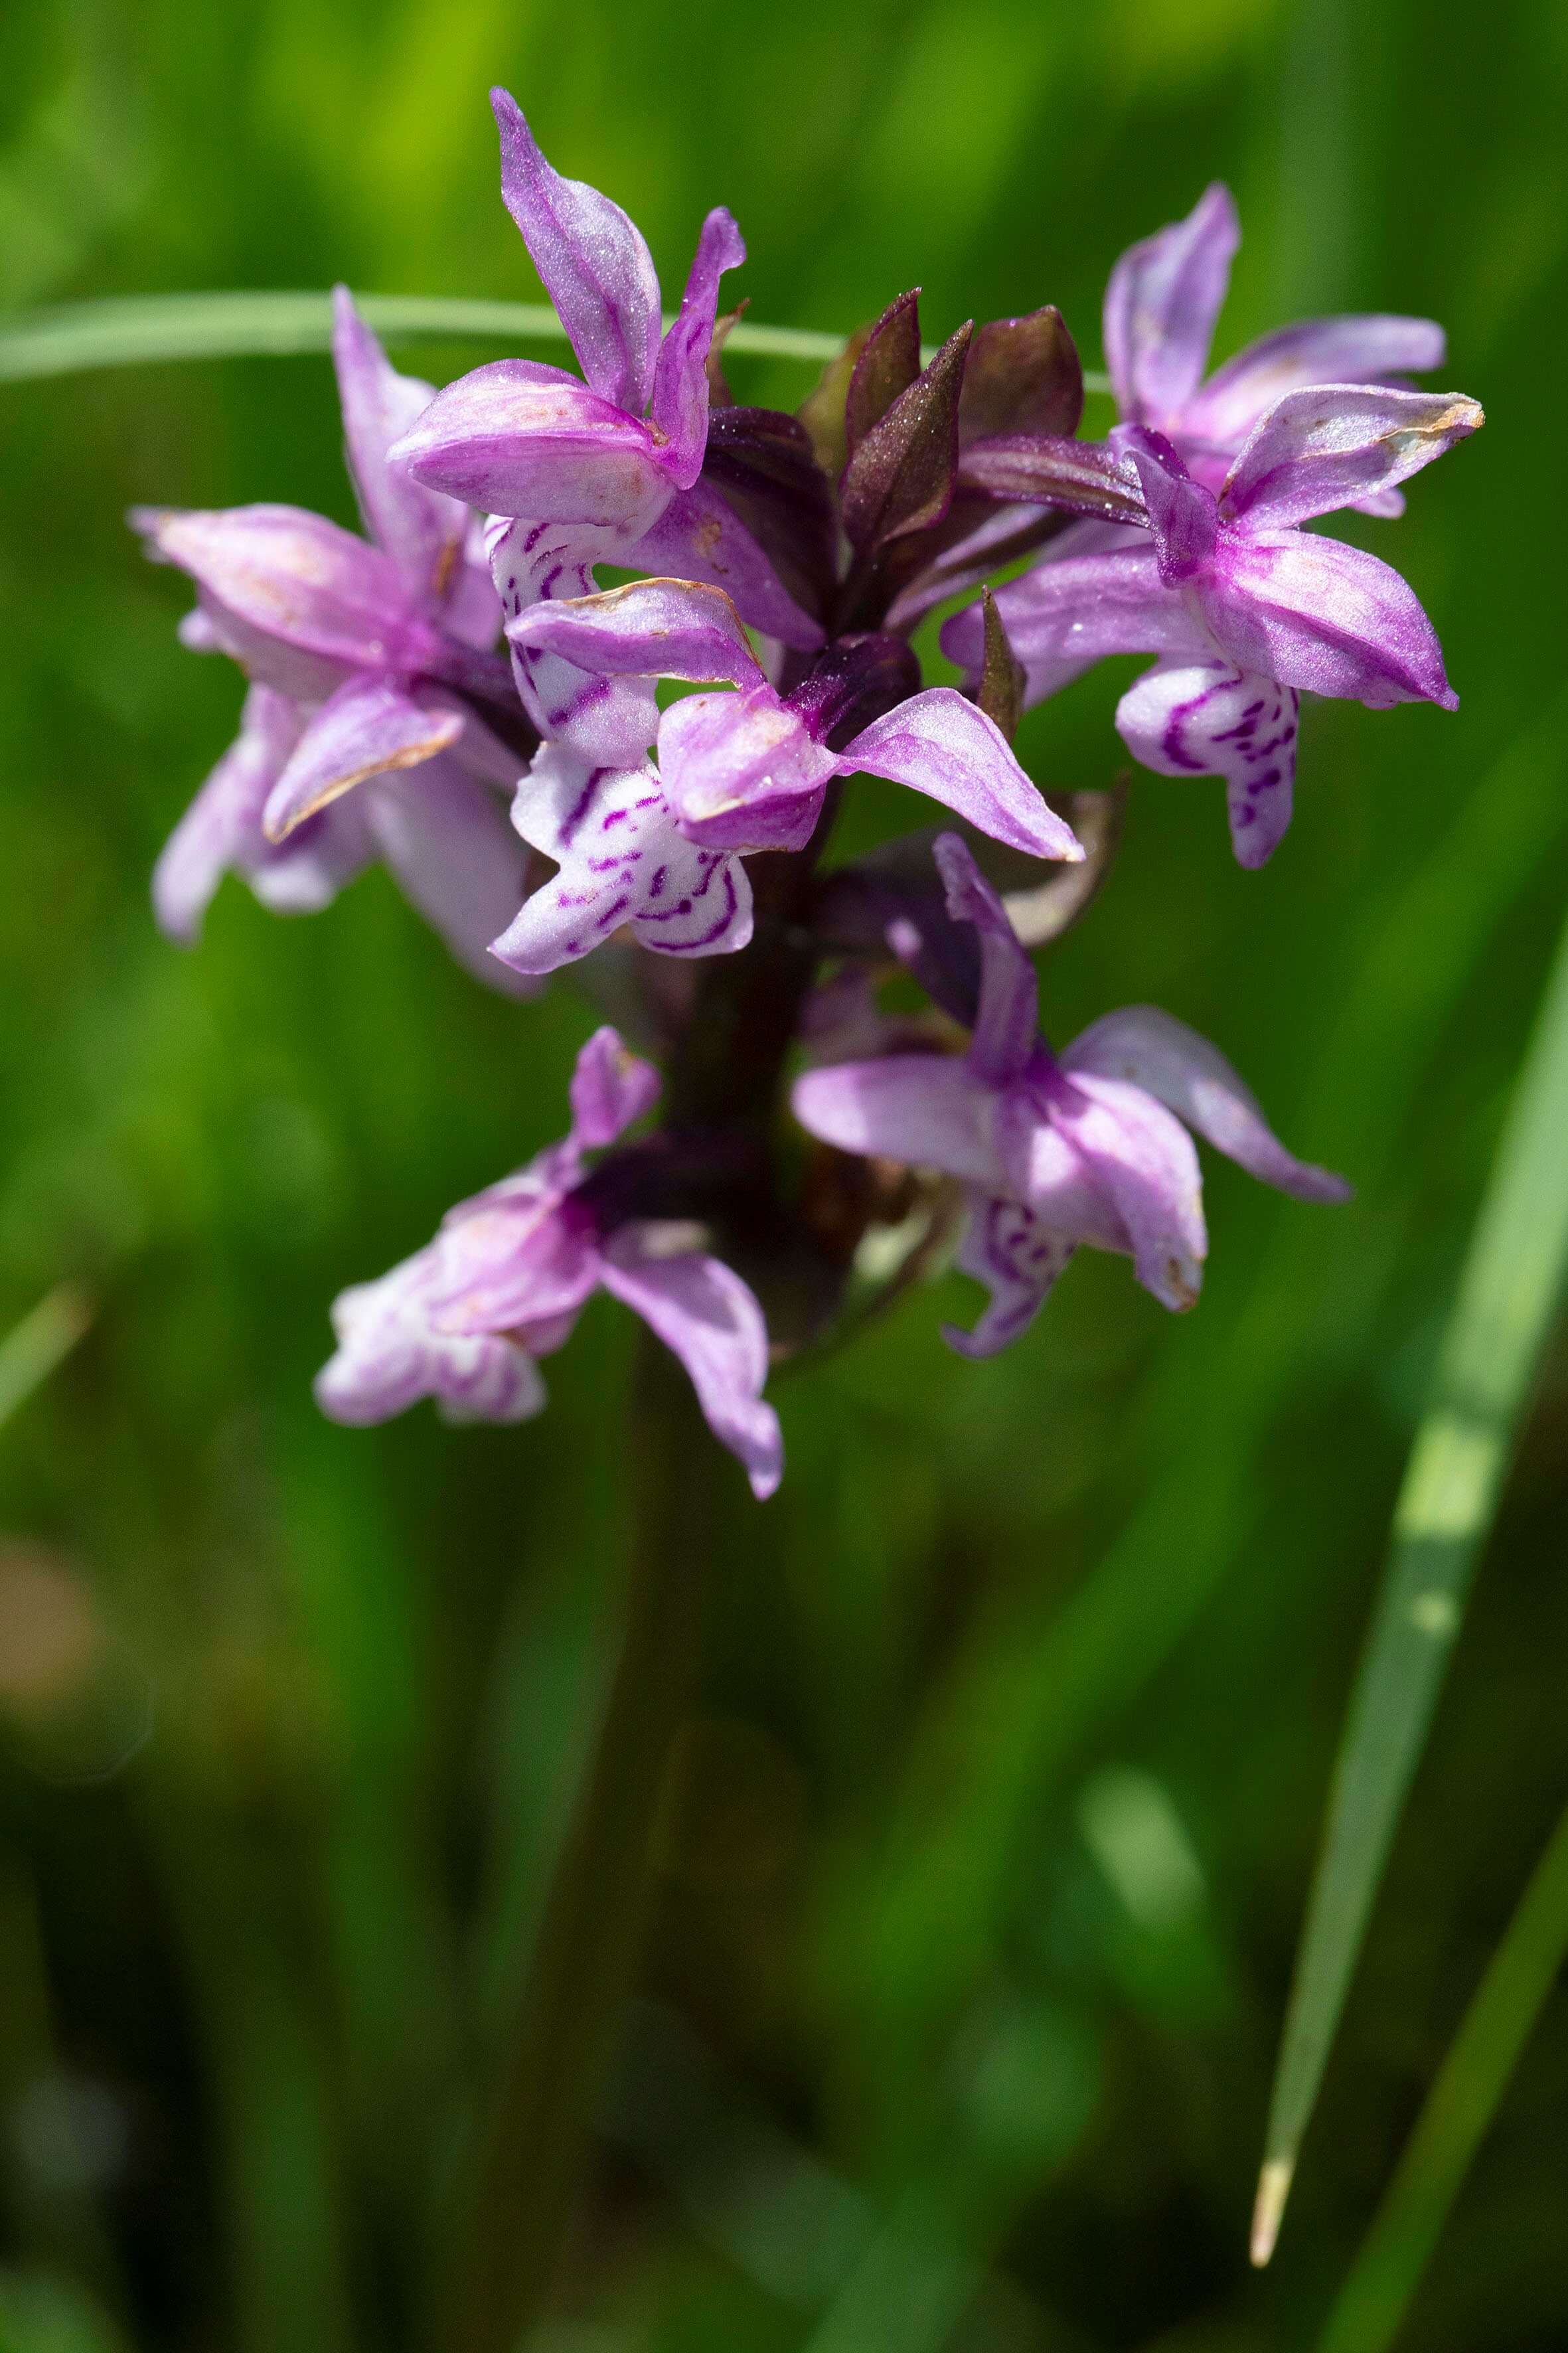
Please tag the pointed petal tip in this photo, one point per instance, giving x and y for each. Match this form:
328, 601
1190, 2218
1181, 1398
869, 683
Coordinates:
1268, 2212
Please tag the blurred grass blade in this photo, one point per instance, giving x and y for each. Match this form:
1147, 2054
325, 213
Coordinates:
127, 330
31, 1350
1496, 1332
1459, 2107
140, 327
1041, 1676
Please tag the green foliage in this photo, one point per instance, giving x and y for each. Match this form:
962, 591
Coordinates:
929, 2059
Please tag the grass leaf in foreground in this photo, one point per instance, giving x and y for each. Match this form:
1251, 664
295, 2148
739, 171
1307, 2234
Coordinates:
129, 330
1496, 1332
1459, 2106
43, 1339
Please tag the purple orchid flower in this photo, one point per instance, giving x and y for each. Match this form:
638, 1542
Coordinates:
1244, 609
737, 773
369, 668
511, 1270
1161, 306
1089, 1148
606, 470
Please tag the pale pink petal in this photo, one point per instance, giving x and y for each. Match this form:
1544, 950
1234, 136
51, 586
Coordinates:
517, 438
650, 628
928, 1110
1161, 306
699, 536
703, 1310
595, 267
446, 838
1017, 1258
1060, 617
222, 827
1369, 349
679, 405
390, 1355
1323, 617
1143, 1160
741, 772
939, 744
296, 578
610, 1088
623, 861
422, 531
368, 725
1007, 1023
1207, 719
1337, 444
1191, 1078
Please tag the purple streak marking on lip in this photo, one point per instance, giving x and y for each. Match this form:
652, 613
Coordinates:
656, 887
610, 915
550, 578
579, 809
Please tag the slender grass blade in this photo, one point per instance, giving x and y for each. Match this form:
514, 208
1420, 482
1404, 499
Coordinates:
1459, 2107
43, 1339
131, 329
1508, 1294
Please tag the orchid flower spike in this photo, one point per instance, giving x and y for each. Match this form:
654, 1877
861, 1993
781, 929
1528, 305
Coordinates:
371, 667
1090, 1148
1245, 610
506, 1278
605, 469
1161, 307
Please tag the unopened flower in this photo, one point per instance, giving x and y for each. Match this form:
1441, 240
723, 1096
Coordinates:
511, 1270
1055, 1153
1245, 609
370, 667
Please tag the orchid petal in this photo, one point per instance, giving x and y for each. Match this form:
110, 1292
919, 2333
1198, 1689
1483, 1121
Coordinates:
1064, 615
623, 861
1161, 306
1183, 519
649, 628
1008, 1018
447, 839
679, 409
518, 438
420, 529
389, 1356
1331, 446
1323, 617
368, 725
1142, 1158
940, 745
507, 1261
610, 1088
222, 826
928, 1111
699, 536
1193, 1079
1206, 719
708, 1318
741, 772
1017, 1258
295, 578
1368, 349
595, 267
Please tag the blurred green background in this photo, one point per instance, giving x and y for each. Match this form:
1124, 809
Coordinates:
977, 1910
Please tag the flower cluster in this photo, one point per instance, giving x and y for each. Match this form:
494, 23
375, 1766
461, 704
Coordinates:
456, 694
